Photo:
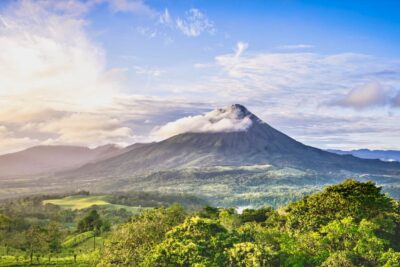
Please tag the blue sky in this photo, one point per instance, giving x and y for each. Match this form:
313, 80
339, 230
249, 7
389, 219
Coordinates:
115, 71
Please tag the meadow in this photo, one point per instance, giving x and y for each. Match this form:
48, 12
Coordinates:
78, 202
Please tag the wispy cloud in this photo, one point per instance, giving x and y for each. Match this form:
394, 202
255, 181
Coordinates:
195, 23
296, 46
165, 18
240, 48
368, 95
192, 24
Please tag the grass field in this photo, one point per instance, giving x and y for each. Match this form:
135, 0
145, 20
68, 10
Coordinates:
83, 202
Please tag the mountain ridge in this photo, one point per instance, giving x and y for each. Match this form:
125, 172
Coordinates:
384, 155
46, 158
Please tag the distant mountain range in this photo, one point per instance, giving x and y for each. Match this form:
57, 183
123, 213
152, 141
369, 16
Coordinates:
385, 155
50, 159
225, 165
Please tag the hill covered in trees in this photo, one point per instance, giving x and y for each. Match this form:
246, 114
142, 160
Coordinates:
348, 224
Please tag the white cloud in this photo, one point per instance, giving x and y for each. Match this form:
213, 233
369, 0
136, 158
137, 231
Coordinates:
294, 76
371, 94
54, 81
296, 46
165, 18
148, 32
195, 23
83, 128
48, 59
151, 72
9, 142
240, 48
192, 24
278, 85
220, 120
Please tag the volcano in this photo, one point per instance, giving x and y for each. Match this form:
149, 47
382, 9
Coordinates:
228, 151
256, 144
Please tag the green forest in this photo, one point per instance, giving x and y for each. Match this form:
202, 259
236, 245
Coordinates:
348, 224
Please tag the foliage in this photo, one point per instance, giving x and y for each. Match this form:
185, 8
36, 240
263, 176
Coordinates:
249, 254
390, 259
350, 198
196, 242
259, 215
349, 224
91, 222
132, 241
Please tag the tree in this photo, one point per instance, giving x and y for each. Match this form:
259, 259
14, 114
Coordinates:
54, 236
390, 259
256, 215
35, 240
339, 259
5, 227
91, 222
266, 239
229, 219
357, 240
131, 242
196, 242
209, 212
248, 254
361, 200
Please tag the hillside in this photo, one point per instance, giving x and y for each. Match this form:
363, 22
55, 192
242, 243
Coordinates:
45, 159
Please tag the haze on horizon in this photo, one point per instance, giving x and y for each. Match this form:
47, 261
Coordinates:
115, 71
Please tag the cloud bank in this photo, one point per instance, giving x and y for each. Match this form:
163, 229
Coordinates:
55, 87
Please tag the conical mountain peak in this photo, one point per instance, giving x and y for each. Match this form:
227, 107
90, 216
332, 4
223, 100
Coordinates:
230, 136
233, 112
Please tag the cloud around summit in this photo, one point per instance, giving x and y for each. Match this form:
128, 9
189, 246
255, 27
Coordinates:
214, 121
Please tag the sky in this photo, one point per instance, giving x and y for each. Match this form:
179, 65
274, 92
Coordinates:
95, 72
